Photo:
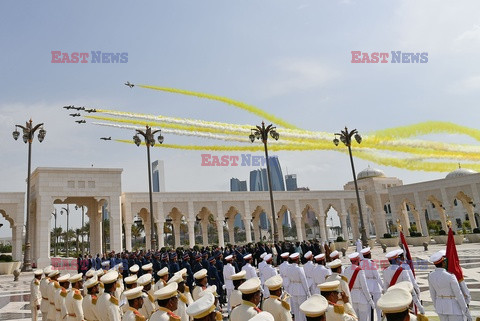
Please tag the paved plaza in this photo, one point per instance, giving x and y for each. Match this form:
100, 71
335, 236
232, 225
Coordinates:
15, 296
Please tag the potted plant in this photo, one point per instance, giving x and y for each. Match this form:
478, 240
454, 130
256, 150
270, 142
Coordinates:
388, 240
7, 265
442, 237
475, 236
341, 243
416, 239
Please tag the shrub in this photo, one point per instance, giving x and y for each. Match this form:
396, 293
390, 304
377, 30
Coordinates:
442, 232
5, 258
387, 236
339, 239
476, 230
415, 234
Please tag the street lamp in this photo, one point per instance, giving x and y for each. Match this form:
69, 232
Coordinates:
170, 222
83, 220
148, 135
67, 211
346, 138
56, 233
262, 133
28, 135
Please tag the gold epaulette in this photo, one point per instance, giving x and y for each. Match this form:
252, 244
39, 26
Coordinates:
218, 316
344, 278
138, 316
183, 298
94, 300
77, 295
150, 297
173, 316
187, 288
421, 317
56, 285
114, 300
285, 305
338, 308
100, 284
63, 293
36, 282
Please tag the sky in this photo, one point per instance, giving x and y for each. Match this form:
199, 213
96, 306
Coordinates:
289, 58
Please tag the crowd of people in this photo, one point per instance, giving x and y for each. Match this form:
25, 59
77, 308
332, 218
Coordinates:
289, 281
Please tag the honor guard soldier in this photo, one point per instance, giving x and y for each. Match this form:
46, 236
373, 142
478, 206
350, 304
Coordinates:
200, 283
101, 287
89, 304
183, 274
163, 274
90, 274
416, 293
236, 296
168, 302
52, 286
283, 268
445, 292
395, 305
204, 309
183, 300
374, 281
147, 268
279, 308
60, 295
309, 267
394, 273
74, 299
135, 302
263, 316
148, 299
315, 308
44, 292
228, 271
35, 295
334, 255
298, 288
248, 268
336, 310
408, 286
186, 265
107, 303
251, 296
357, 284
320, 272
336, 267
134, 269
260, 267
130, 283
268, 271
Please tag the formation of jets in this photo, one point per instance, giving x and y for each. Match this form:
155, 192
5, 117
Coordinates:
75, 115
106, 138
129, 84
90, 110
83, 121
73, 107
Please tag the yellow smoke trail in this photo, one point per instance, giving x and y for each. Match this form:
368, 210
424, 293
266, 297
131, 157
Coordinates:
239, 104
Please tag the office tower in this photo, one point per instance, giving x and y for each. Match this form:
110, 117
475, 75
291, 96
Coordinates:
291, 182
237, 185
158, 176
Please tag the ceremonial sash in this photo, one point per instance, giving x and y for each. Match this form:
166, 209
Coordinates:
354, 277
395, 276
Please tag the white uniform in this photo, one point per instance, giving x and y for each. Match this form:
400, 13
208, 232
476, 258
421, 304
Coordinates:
228, 271
149, 305
183, 303
44, 292
35, 298
133, 315
374, 282
235, 298
108, 309
268, 272
465, 291
278, 308
320, 274
388, 274
244, 311
60, 309
160, 284
52, 286
416, 288
344, 288
309, 268
446, 296
250, 271
89, 305
283, 268
163, 314
360, 296
260, 267
196, 292
337, 313
298, 290
73, 303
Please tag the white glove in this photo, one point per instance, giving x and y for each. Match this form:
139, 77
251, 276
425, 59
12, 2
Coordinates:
224, 287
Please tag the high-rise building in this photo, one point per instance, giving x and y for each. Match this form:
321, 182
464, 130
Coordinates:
158, 176
237, 185
291, 182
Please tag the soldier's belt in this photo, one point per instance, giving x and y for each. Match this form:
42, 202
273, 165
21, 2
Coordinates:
44, 298
445, 296
52, 303
72, 315
58, 310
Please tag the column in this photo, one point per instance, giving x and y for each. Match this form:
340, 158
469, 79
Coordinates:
204, 224
298, 224
404, 220
380, 218
471, 215
147, 229
420, 210
176, 233
221, 240
160, 232
343, 219
321, 220
476, 201
128, 236
256, 229
191, 233
42, 224
96, 234
246, 221
446, 206
279, 227
231, 231
17, 243
114, 205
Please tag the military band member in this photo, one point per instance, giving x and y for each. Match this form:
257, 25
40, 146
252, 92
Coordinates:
315, 308
200, 283
445, 292
35, 294
236, 296
251, 295
268, 271
148, 299
204, 309
74, 299
374, 281
135, 302
60, 295
320, 272
44, 306
52, 287
167, 301
336, 298
89, 303
394, 273
298, 288
107, 304
274, 304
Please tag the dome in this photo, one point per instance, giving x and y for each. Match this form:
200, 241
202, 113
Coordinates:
370, 172
460, 172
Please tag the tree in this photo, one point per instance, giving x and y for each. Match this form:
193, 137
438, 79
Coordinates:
78, 233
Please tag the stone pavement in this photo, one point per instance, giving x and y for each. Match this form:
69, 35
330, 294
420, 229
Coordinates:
15, 296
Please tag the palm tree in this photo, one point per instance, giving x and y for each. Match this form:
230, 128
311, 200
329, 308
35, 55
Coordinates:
136, 231
78, 233
56, 232
67, 236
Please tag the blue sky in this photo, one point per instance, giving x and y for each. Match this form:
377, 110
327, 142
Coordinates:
290, 58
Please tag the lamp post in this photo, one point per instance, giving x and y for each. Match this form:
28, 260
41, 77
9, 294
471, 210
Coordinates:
262, 133
28, 135
56, 233
346, 138
170, 222
67, 211
83, 224
149, 142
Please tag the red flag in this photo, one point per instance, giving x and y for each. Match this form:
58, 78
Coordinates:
407, 252
453, 263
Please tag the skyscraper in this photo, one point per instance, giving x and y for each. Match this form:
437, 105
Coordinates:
291, 182
158, 176
237, 185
